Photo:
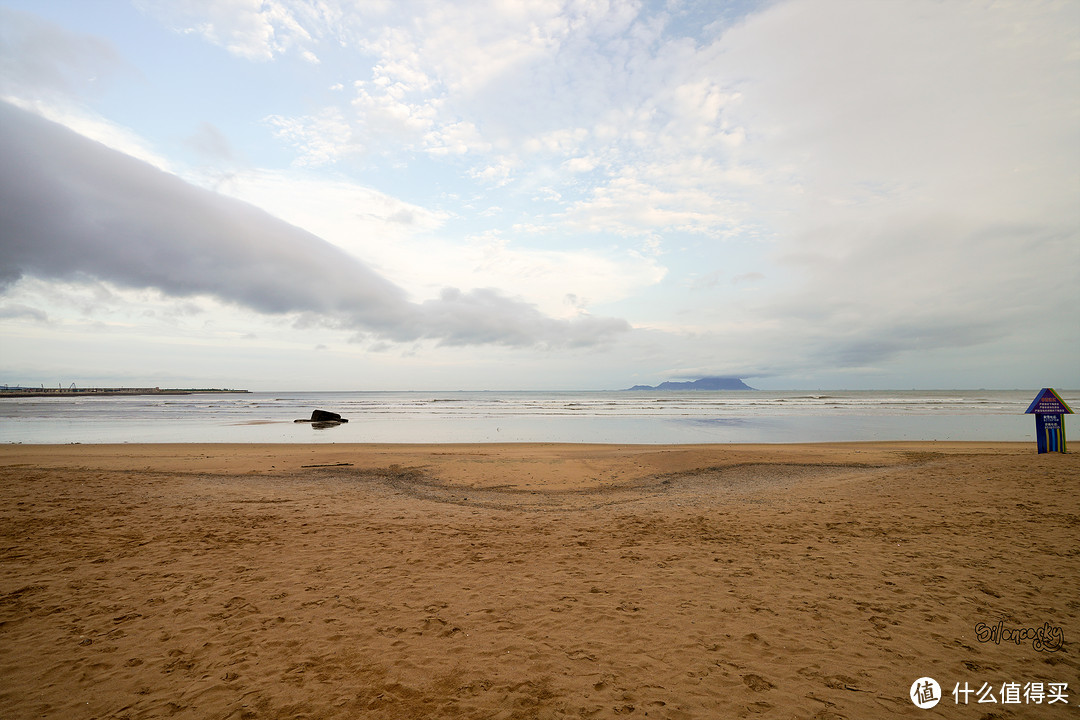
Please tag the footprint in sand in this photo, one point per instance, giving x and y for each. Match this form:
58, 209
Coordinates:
757, 683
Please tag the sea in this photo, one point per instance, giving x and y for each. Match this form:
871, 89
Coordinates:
637, 417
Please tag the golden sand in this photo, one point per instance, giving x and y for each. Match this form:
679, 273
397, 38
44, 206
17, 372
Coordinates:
532, 581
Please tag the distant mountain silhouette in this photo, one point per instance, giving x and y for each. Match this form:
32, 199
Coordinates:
706, 383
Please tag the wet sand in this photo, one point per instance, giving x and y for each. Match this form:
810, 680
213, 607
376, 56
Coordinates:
533, 581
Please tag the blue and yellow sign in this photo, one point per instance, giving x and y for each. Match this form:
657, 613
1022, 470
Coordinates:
1050, 411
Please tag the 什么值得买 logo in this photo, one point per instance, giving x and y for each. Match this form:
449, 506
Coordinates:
1048, 638
925, 692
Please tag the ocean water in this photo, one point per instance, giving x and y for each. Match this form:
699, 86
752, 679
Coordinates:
585, 417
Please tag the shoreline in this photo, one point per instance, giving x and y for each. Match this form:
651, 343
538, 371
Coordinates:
531, 580
603, 417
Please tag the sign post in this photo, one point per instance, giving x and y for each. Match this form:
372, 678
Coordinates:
1050, 411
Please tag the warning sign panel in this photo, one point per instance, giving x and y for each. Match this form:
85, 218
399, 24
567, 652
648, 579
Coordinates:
1048, 402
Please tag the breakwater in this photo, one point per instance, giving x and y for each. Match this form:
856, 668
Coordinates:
80, 392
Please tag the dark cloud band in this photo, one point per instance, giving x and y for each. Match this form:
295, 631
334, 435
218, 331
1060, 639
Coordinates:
71, 207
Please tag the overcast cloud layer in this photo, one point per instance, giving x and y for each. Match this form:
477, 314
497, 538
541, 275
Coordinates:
809, 192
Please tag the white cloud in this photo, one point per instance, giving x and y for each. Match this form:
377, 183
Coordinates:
628, 206
320, 139
455, 139
498, 173
581, 164
407, 242
542, 277
365, 222
252, 29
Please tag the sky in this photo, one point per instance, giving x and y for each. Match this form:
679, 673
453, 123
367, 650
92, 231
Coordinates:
539, 194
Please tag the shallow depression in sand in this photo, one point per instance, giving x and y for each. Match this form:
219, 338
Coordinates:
714, 484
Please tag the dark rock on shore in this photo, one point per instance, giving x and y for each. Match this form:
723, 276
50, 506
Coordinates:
324, 418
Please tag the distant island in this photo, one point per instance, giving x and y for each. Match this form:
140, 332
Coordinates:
81, 392
706, 383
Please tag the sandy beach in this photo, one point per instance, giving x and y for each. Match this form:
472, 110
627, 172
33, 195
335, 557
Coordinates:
535, 581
